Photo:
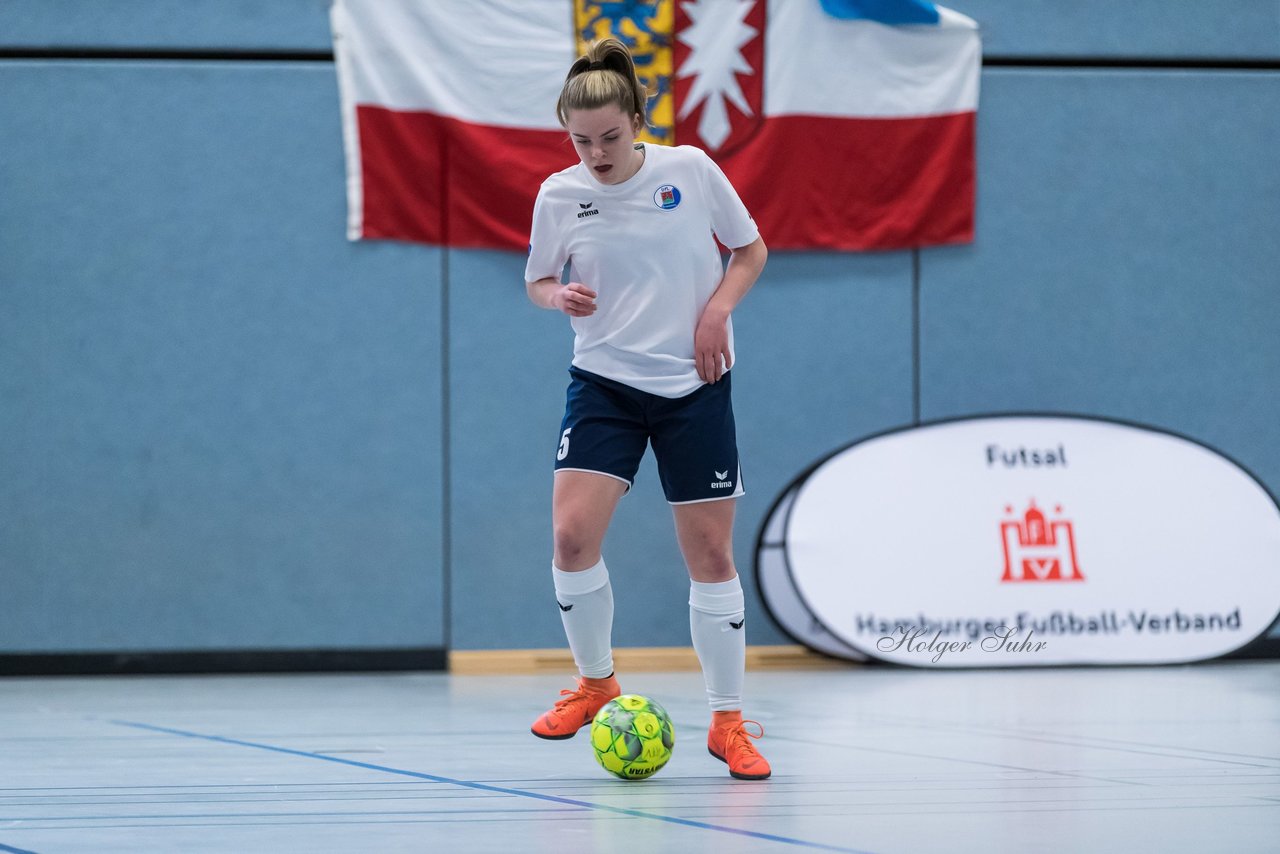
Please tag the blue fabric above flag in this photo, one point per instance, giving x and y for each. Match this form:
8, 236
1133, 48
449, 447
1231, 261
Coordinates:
891, 12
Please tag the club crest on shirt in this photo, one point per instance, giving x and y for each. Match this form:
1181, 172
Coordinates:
667, 197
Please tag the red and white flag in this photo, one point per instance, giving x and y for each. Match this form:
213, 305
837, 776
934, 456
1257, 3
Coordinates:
844, 124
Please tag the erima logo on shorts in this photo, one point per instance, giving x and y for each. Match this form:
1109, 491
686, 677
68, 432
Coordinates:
722, 481
667, 197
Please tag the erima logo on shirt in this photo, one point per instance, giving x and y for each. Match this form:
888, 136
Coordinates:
722, 481
589, 209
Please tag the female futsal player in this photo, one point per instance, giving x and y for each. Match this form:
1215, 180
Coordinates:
649, 299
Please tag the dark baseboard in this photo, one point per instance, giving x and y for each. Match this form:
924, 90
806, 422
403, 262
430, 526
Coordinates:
300, 661
1263, 647
222, 661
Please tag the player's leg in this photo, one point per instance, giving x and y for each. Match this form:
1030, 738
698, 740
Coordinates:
600, 448
717, 621
582, 505
717, 624
696, 446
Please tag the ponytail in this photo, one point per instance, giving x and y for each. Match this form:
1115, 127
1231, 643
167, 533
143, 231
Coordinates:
604, 75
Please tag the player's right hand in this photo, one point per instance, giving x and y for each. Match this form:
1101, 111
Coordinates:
576, 300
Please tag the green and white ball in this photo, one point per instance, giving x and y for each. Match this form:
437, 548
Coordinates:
632, 737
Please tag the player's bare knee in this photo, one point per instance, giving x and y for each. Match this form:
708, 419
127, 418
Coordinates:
712, 566
574, 546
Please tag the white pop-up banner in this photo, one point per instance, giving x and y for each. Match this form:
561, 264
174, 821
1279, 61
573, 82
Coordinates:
1024, 541
779, 593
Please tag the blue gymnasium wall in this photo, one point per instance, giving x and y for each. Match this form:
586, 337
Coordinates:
222, 426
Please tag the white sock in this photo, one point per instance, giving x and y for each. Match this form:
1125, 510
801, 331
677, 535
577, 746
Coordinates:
586, 609
716, 622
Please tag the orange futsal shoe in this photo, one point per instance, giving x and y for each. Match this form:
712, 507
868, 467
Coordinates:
577, 709
729, 741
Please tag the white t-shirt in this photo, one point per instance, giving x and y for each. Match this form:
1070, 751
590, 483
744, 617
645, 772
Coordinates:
645, 246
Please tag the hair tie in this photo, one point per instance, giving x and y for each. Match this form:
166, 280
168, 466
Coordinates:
595, 66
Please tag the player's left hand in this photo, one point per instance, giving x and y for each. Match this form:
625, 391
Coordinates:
711, 346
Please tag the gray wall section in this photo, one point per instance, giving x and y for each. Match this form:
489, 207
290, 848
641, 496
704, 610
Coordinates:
1150, 29
1241, 29
223, 426
220, 420
1126, 261
167, 24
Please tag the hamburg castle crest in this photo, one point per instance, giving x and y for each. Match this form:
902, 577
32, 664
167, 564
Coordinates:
1038, 549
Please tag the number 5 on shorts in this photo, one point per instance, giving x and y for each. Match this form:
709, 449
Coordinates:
564, 445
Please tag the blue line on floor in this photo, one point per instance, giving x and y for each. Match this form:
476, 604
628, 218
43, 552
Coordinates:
12, 850
483, 787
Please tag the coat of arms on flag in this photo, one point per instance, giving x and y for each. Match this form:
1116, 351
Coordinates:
863, 110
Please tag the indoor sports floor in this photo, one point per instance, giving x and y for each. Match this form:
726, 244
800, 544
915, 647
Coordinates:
1183, 758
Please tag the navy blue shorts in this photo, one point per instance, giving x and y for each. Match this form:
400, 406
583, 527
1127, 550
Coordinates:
607, 425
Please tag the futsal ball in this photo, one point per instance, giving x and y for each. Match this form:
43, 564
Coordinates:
632, 737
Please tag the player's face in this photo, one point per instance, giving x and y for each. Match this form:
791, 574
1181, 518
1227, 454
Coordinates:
605, 141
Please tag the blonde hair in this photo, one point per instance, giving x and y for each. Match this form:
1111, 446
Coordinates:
604, 75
